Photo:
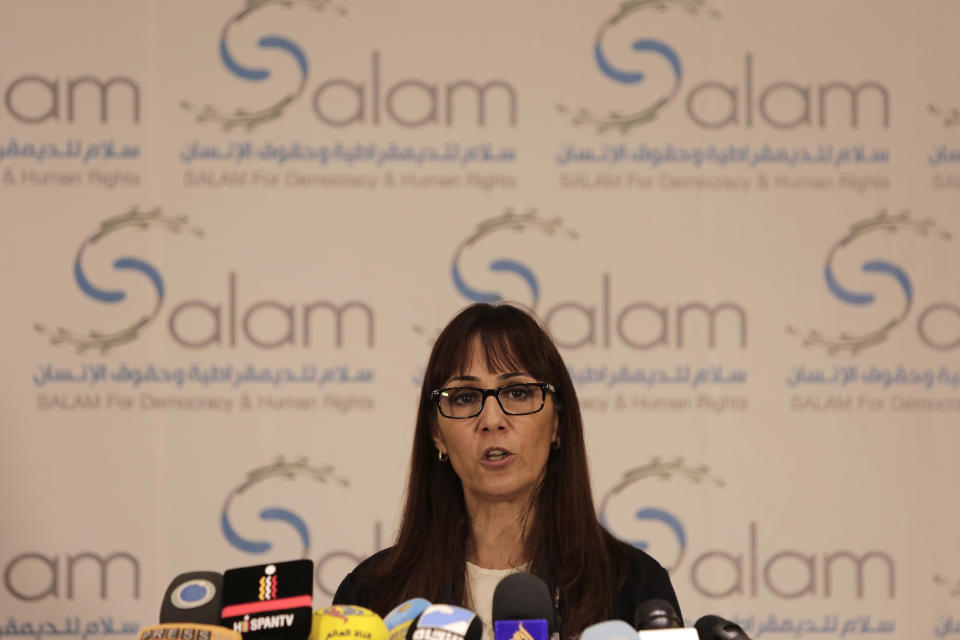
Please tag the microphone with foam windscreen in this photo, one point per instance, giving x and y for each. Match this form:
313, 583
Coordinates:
347, 621
269, 602
716, 628
656, 614
403, 616
446, 622
656, 620
523, 608
191, 610
194, 596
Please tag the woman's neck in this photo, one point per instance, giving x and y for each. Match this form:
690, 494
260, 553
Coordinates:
497, 534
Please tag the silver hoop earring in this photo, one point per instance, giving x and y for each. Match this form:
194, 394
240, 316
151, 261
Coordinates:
441, 456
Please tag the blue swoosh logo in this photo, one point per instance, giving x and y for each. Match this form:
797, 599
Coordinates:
663, 517
125, 264
261, 546
873, 266
267, 42
504, 266
634, 77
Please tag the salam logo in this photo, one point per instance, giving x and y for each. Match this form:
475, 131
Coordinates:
104, 341
663, 471
638, 76
949, 116
952, 586
855, 342
283, 470
243, 117
508, 222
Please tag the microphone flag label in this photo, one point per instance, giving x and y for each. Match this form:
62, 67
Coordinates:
266, 602
175, 631
668, 634
521, 630
444, 622
340, 621
405, 612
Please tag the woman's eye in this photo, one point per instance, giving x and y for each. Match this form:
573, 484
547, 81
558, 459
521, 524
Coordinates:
519, 393
464, 397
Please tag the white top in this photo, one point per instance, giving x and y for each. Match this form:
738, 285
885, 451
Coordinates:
480, 586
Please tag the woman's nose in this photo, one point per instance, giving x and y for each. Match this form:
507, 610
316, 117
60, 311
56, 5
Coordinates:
491, 415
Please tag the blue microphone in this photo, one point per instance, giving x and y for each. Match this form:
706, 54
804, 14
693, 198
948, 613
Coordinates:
446, 622
403, 617
523, 609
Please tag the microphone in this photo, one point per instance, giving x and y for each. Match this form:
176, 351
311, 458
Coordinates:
403, 616
446, 622
716, 628
523, 608
269, 601
656, 614
193, 597
347, 620
656, 620
187, 631
609, 630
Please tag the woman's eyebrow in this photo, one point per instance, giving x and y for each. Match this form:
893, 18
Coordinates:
502, 376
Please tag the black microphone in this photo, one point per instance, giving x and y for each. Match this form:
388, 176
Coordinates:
656, 614
522, 603
269, 602
716, 628
656, 620
191, 610
194, 596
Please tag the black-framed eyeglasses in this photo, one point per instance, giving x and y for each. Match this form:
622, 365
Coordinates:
517, 399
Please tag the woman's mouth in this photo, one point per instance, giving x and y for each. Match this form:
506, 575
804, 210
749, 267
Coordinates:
496, 454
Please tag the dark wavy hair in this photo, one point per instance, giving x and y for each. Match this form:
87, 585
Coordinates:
566, 545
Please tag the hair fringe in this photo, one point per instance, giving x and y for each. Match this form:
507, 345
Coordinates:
562, 536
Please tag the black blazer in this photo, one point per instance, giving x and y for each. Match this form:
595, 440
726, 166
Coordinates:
647, 580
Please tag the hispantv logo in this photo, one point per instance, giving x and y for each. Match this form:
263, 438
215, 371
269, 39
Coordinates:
278, 621
653, 72
900, 226
341, 102
268, 584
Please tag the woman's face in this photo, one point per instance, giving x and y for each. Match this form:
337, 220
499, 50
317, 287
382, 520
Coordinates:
498, 457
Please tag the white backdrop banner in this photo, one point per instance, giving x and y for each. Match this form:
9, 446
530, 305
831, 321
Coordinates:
232, 229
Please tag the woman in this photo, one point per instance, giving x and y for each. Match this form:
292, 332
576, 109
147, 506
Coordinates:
498, 483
